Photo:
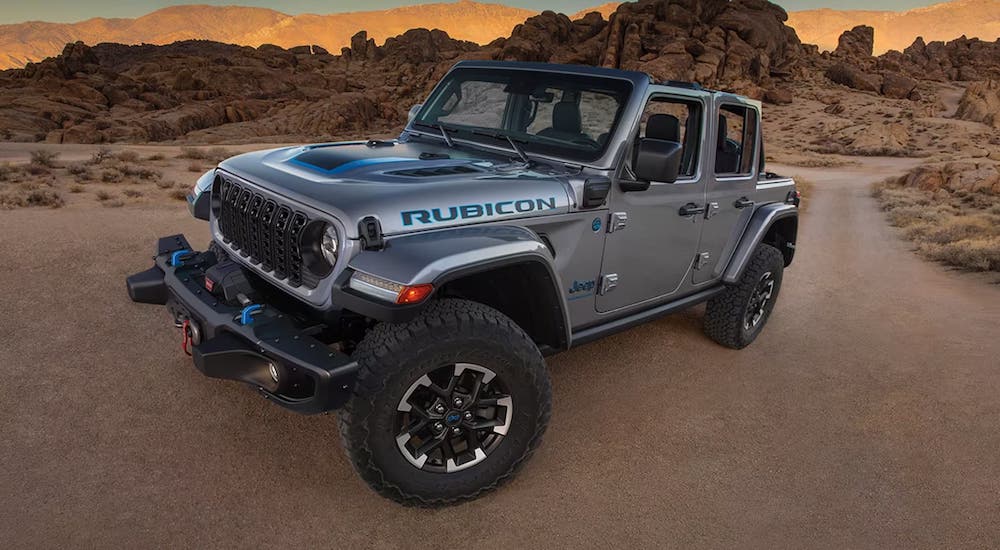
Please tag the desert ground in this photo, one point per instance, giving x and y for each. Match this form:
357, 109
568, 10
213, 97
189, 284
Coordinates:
864, 416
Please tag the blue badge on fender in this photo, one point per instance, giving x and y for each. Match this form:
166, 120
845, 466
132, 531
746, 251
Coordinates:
596, 225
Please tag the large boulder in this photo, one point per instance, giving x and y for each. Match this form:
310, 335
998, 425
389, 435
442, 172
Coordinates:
857, 43
981, 103
853, 77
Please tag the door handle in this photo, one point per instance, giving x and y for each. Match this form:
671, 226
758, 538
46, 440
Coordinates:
743, 202
690, 209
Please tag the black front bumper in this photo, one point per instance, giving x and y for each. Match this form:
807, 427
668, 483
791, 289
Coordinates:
271, 352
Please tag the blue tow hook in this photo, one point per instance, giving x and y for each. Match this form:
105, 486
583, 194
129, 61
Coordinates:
176, 259
246, 316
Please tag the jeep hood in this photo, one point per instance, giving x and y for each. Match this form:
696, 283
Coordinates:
408, 186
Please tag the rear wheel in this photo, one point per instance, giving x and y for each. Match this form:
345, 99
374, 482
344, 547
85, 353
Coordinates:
737, 316
447, 406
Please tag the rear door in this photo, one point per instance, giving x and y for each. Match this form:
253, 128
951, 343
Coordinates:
730, 189
650, 246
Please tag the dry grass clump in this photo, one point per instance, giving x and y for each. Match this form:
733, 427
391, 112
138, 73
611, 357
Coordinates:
195, 167
132, 193
127, 156
960, 228
41, 157
179, 194
101, 156
214, 154
19, 188
156, 157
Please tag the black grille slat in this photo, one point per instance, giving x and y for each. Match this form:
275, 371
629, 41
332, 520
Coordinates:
264, 231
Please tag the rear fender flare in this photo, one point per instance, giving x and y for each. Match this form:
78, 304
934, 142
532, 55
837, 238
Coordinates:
760, 224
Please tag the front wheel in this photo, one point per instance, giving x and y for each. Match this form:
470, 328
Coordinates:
737, 316
447, 406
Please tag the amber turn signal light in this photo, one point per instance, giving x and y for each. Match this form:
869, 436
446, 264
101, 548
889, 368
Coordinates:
414, 294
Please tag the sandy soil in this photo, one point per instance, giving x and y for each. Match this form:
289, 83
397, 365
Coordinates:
864, 416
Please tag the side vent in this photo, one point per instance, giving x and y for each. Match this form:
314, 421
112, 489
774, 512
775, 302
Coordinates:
435, 172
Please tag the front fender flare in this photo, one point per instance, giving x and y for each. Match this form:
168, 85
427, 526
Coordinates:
437, 257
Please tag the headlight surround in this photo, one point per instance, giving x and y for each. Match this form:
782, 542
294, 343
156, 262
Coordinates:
320, 246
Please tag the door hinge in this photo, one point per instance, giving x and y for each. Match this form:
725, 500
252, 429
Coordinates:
617, 221
701, 260
608, 283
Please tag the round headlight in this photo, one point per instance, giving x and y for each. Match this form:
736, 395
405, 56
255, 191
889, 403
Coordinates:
320, 244
330, 244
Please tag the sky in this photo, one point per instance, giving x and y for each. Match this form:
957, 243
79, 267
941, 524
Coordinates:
16, 11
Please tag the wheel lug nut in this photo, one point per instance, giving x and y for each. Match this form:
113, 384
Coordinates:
458, 401
468, 415
438, 426
439, 408
456, 430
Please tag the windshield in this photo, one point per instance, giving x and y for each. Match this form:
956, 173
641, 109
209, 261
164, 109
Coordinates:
554, 114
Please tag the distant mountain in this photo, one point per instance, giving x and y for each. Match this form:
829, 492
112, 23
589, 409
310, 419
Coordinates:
897, 30
464, 20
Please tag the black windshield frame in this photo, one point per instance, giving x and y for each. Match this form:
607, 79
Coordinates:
520, 87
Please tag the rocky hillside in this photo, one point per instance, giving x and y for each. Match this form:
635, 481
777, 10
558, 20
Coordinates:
464, 20
207, 91
896, 30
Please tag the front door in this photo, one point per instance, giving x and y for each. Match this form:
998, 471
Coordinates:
652, 238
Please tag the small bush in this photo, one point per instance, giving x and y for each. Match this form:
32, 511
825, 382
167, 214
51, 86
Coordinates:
195, 167
41, 157
114, 203
164, 184
132, 193
179, 194
76, 188
104, 195
214, 155
112, 175
127, 156
156, 157
101, 155
37, 169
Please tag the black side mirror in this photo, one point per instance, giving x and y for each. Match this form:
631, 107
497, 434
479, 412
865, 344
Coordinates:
656, 160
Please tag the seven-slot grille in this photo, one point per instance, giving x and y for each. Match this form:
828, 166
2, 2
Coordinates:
265, 231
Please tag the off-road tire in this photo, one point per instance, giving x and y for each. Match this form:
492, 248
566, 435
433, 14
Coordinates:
392, 356
725, 315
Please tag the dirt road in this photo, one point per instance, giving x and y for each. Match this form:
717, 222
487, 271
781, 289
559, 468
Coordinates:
866, 415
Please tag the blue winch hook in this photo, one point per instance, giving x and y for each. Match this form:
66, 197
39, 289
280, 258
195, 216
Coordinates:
246, 316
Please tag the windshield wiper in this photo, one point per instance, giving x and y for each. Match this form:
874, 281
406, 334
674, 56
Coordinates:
498, 134
444, 132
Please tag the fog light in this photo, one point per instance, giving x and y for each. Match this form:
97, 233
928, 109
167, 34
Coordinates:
273, 370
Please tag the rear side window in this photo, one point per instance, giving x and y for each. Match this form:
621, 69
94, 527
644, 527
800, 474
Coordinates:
675, 119
736, 140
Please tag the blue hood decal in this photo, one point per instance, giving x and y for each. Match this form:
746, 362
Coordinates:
347, 166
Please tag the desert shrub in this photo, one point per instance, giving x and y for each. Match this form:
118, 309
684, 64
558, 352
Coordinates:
214, 155
960, 228
104, 195
9, 172
112, 175
76, 188
127, 156
156, 157
30, 195
132, 193
113, 203
164, 184
101, 155
41, 157
37, 169
195, 167
141, 172
179, 194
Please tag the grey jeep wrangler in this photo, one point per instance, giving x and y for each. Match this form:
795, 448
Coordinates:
415, 284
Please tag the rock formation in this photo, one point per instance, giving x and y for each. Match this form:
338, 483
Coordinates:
981, 103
